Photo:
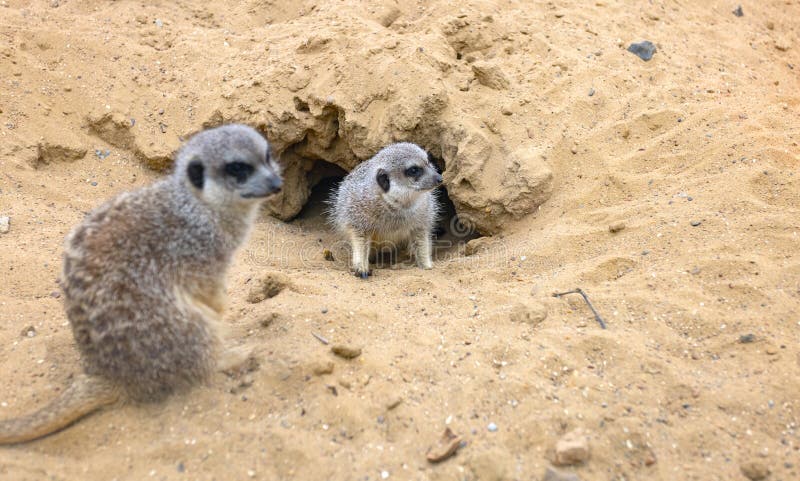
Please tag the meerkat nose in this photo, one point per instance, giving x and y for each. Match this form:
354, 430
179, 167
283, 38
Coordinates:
276, 185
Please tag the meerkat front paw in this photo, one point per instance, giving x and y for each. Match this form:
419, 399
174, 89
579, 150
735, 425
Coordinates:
423, 251
360, 245
363, 274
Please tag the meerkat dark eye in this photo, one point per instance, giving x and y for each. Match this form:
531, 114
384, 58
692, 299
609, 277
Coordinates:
238, 170
414, 171
195, 173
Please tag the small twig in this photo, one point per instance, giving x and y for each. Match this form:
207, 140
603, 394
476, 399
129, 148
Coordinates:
588, 303
320, 338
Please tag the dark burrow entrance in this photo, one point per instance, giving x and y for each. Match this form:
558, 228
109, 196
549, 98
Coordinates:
324, 179
452, 231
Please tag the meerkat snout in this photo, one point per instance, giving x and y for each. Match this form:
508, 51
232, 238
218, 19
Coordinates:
403, 184
389, 200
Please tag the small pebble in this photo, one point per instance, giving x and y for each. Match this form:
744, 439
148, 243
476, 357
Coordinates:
492, 427
616, 227
747, 338
644, 50
29, 331
158, 23
591, 92
385, 474
94, 184
739, 12
324, 310
572, 448
446, 447
695, 223
5, 224
783, 44
394, 402
181, 467
321, 368
346, 352
754, 470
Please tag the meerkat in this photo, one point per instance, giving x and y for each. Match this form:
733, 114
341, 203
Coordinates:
388, 200
144, 278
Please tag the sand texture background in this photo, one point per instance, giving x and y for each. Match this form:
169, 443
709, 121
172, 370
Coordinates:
549, 133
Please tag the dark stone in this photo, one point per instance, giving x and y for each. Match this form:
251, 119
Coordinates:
747, 338
644, 50
738, 12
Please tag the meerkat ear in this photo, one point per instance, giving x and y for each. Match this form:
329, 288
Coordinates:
195, 173
383, 179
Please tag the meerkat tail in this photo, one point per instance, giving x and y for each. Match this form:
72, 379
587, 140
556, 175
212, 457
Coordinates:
85, 395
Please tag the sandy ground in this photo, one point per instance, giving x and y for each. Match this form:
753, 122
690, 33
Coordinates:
695, 153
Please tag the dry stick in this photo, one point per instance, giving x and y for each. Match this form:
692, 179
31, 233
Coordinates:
588, 303
320, 338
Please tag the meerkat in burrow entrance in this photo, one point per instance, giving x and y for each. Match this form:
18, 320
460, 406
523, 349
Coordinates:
388, 199
144, 279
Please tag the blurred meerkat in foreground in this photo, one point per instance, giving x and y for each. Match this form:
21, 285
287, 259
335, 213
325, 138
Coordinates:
144, 278
388, 199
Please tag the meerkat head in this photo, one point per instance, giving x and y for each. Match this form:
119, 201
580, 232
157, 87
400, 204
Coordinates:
229, 165
403, 173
